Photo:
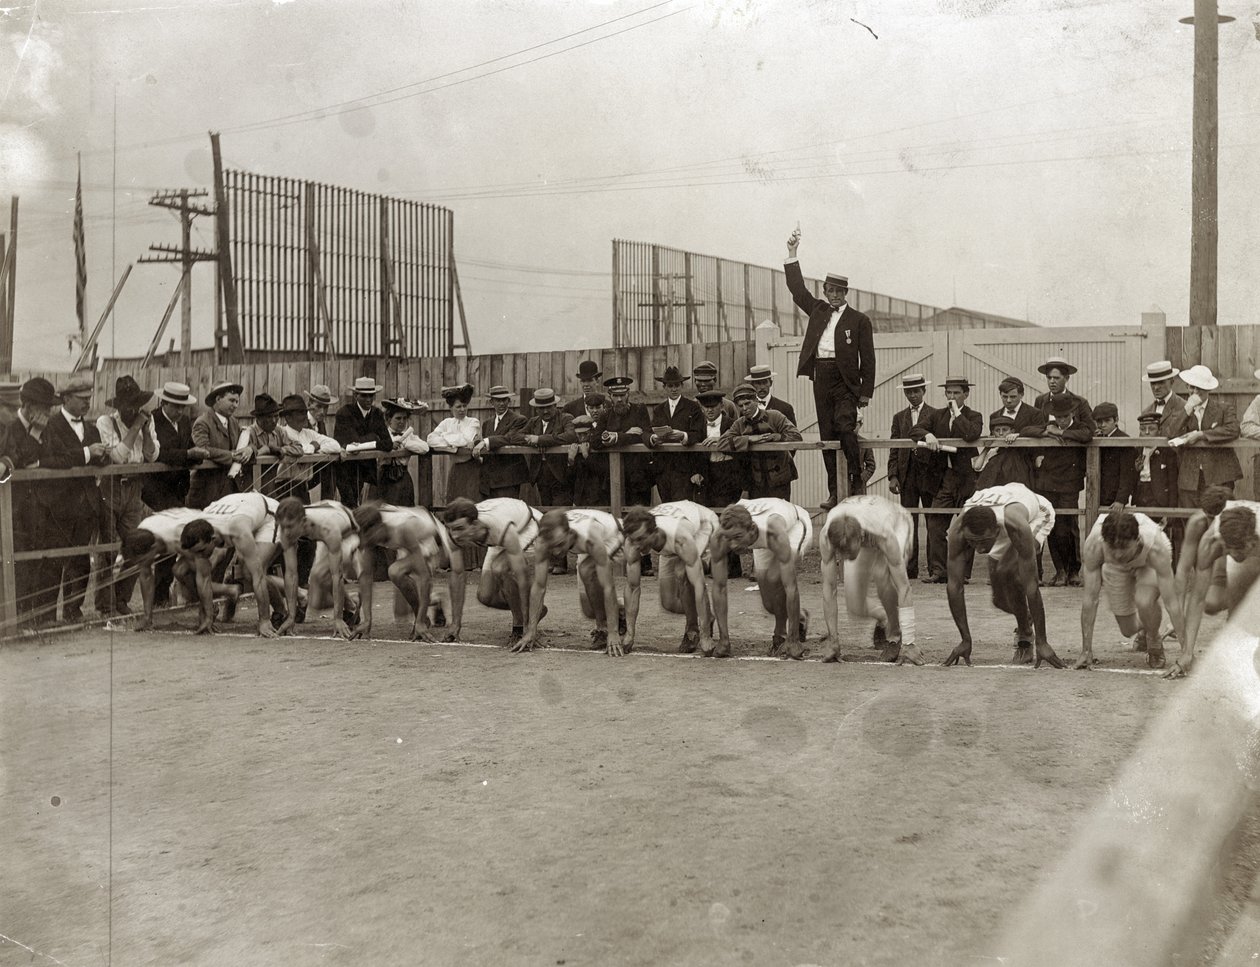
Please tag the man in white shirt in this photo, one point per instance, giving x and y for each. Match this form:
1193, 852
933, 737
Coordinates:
128, 436
294, 478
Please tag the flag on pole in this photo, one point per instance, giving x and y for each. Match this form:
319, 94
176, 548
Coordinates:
80, 257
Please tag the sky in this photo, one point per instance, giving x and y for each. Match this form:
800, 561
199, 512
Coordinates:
1029, 158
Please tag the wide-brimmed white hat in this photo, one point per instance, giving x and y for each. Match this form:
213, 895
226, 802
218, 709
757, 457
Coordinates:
1200, 377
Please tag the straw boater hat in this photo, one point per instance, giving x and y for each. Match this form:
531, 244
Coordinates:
957, 381
319, 393
220, 388
757, 374
178, 393
914, 381
1056, 362
1200, 377
367, 385
499, 393
835, 279
543, 397
1160, 371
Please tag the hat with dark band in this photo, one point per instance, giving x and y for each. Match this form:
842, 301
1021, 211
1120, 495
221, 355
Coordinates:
127, 392
759, 374
178, 393
914, 381
220, 388
500, 393
543, 397
265, 405
834, 279
319, 393
1150, 419
957, 381
1056, 362
1160, 371
672, 375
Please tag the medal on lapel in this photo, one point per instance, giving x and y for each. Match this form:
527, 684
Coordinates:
847, 340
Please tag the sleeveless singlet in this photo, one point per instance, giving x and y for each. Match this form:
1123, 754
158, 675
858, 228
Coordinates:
702, 518
878, 517
1040, 512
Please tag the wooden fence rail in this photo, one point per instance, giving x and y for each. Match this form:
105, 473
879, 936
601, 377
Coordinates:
424, 488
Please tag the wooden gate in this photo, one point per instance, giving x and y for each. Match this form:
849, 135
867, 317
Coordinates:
1111, 361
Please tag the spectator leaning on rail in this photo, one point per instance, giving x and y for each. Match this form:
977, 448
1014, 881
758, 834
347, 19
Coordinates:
269, 440
1017, 419
360, 426
397, 486
21, 446
676, 420
218, 433
1202, 440
769, 473
1162, 462
704, 379
914, 474
1251, 431
129, 438
1061, 471
294, 479
318, 398
838, 355
172, 426
1118, 466
501, 474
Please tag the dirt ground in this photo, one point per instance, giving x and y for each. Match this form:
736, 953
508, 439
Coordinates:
312, 801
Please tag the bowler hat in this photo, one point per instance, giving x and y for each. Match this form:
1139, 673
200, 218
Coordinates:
588, 369
319, 393
178, 393
914, 381
38, 392
127, 392
1160, 371
672, 375
265, 405
220, 388
1056, 362
1106, 411
543, 397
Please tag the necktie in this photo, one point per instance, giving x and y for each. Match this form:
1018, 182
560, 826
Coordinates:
1010, 413
76, 419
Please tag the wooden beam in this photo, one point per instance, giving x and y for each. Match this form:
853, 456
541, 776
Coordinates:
236, 349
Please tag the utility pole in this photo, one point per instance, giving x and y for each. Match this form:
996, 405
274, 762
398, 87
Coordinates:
185, 256
1206, 132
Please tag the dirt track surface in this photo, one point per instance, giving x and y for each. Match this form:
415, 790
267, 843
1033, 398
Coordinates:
308, 801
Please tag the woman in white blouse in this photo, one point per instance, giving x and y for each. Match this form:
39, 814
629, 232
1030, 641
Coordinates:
458, 434
396, 485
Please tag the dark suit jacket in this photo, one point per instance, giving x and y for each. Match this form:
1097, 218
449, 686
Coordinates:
559, 432
687, 417
78, 497
508, 470
1062, 467
210, 484
1014, 465
352, 426
1119, 473
163, 490
31, 529
968, 426
854, 354
917, 463
1219, 464
1165, 463
784, 407
575, 407
767, 470
637, 467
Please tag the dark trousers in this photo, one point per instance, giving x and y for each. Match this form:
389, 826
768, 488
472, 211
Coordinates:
955, 489
837, 420
553, 492
1065, 539
69, 573
123, 511
675, 484
507, 490
913, 496
36, 581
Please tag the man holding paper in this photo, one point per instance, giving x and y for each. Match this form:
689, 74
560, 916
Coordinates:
360, 426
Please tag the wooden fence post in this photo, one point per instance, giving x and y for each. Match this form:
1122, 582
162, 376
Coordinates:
8, 581
616, 482
1093, 485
